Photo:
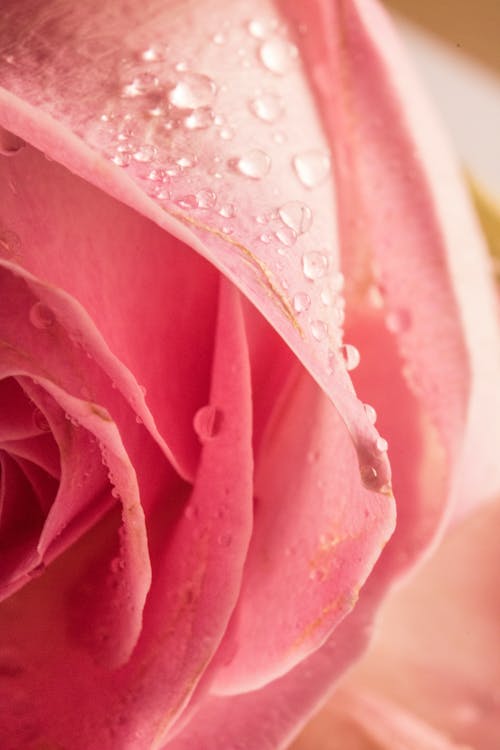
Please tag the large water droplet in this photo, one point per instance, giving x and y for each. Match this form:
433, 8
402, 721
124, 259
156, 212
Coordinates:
207, 422
278, 55
267, 107
314, 265
296, 215
193, 90
254, 164
369, 476
350, 355
301, 302
41, 316
312, 167
199, 119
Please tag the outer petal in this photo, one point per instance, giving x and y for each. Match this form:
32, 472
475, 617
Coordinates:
66, 126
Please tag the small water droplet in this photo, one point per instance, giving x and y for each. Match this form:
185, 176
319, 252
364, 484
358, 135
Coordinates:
206, 198
186, 162
207, 422
301, 302
259, 28
278, 55
193, 90
279, 137
142, 84
267, 107
350, 355
326, 297
10, 243
314, 265
224, 540
254, 164
296, 215
41, 316
319, 330
145, 153
188, 201
381, 444
227, 211
40, 421
287, 236
398, 321
219, 38
370, 413
121, 160
153, 53
266, 237
199, 119
312, 168
226, 133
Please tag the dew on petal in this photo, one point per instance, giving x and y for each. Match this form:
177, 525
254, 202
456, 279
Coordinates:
153, 53
259, 28
41, 316
296, 215
286, 236
370, 413
121, 159
369, 476
199, 119
301, 302
193, 90
206, 198
268, 107
314, 265
350, 355
226, 133
319, 329
142, 84
278, 55
326, 297
381, 444
145, 153
312, 167
219, 38
266, 237
207, 422
254, 164
187, 201
227, 211
279, 137
398, 321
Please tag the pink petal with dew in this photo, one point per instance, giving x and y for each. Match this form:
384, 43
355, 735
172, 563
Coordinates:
133, 108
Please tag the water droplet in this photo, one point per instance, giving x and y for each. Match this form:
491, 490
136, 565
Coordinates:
259, 28
191, 512
192, 91
314, 264
278, 55
296, 215
350, 355
219, 38
142, 84
381, 444
207, 422
369, 476
9, 243
254, 164
154, 53
145, 153
224, 540
199, 119
41, 316
188, 201
312, 168
227, 211
186, 162
279, 137
301, 302
287, 236
121, 160
267, 107
398, 321
40, 421
319, 330
370, 413
265, 237
206, 198
318, 574
226, 133
326, 297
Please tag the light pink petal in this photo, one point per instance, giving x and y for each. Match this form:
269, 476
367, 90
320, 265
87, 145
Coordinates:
355, 721
436, 649
71, 129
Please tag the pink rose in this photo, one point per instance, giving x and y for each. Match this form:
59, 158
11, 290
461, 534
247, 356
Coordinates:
194, 495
